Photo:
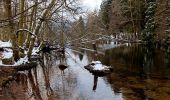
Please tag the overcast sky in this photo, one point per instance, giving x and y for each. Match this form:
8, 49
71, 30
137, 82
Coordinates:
91, 4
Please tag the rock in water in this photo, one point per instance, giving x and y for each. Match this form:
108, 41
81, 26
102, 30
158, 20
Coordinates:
1, 49
62, 67
46, 49
98, 69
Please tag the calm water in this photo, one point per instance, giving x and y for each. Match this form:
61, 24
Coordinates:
140, 73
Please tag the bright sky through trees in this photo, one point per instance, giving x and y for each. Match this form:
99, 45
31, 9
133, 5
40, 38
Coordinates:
91, 4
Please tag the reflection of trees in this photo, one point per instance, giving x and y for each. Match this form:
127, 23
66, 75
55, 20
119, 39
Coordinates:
37, 82
135, 88
35, 88
148, 53
64, 85
95, 82
63, 65
21, 79
132, 63
167, 57
136, 59
28, 82
16, 88
45, 70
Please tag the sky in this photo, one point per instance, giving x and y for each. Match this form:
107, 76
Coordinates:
91, 4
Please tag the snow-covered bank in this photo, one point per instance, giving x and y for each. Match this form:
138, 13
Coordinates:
19, 62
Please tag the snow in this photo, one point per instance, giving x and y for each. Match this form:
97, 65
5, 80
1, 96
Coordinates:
19, 62
8, 53
1, 62
22, 61
98, 65
96, 62
5, 44
35, 51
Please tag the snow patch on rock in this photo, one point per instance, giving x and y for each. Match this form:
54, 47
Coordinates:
8, 53
5, 44
97, 65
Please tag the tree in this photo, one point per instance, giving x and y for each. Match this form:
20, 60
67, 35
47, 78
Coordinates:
8, 9
105, 12
38, 26
81, 26
133, 11
94, 24
21, 22
148, 32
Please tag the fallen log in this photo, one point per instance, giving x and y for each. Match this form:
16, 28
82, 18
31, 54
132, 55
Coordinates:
27, 66
21, 67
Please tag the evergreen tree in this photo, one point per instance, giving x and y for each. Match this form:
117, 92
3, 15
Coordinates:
167, 38
133, 12
148, 32
81, 26
105, 8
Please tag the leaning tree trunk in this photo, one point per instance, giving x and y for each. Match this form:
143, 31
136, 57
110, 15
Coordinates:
32, 22
38, 26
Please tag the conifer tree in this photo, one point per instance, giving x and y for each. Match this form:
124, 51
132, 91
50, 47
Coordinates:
105, 11
148, 32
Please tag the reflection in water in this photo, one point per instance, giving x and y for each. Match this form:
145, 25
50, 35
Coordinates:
46, 82
95, 82
139, 74
137, 60
85, 82
62, 66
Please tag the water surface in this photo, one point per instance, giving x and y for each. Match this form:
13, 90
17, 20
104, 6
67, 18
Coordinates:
140, 73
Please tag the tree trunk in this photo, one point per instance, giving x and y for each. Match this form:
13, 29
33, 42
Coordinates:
131, 15
32, 23
21, 22
38, 26
8, 10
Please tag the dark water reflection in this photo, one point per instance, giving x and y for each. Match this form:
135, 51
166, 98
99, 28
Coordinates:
140, 60
139, 74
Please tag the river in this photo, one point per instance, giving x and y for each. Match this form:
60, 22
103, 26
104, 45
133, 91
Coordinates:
139, 73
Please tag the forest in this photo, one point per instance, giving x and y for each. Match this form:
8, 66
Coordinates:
63, 50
